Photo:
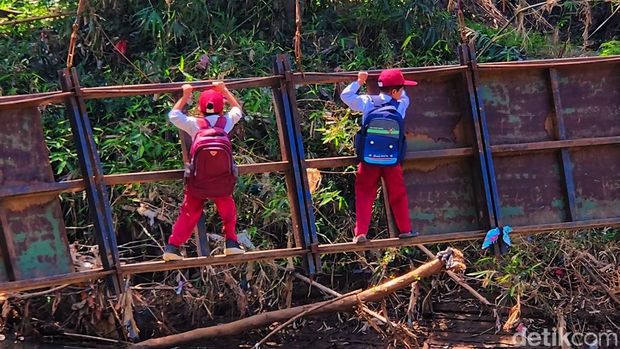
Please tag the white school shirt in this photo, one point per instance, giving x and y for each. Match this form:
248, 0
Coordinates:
190, 124
364, 104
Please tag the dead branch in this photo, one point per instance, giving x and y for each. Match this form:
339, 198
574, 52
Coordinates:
451, 259
458, 280
289, 321
363, 308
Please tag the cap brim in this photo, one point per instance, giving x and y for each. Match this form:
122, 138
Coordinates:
410, 83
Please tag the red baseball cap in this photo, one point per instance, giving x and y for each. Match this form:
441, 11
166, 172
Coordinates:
394, 77
211, 102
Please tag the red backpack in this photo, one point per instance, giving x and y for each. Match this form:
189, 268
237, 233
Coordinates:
212, 170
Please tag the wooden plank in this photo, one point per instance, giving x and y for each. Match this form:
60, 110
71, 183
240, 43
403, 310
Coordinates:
150, 267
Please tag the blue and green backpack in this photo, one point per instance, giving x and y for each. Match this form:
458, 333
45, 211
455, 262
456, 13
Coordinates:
381, 140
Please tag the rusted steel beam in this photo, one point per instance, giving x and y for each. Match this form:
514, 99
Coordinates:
127, 178
151, 89
567, 226
175, 86
486, 139
311, 78
377, 244
480, 176
25, 101
167, 175
412, 155
286, 156
560, 133
548, 63
33, 240
8, 191
150, 267
156, 266
72, 278
30, 96
281, 166
507, 149
297, 181
463, 236
313, 260
92, 173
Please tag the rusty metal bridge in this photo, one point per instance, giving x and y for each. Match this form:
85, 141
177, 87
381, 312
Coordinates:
532, 144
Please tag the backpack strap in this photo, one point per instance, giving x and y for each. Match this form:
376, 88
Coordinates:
378, 102
221, 122
204, 123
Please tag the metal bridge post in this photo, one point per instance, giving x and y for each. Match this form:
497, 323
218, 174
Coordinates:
467, 57
290, 131
92, 174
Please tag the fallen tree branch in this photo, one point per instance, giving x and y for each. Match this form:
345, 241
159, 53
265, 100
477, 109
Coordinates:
22, 296
458, 280
289, 321
451, 259
362, 307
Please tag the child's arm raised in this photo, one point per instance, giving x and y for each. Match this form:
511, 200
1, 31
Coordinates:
178, 118
403, 103
187, 92
235, 112
220, 86
349, 95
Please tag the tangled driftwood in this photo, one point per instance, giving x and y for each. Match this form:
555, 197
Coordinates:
449, 259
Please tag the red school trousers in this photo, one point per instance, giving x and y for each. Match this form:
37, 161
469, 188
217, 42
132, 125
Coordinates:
190, 214
366, 182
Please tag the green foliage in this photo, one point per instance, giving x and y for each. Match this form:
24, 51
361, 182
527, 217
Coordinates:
610, 48
167, 41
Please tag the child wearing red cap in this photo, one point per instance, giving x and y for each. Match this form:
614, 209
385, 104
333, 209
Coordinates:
211, 105
391, 86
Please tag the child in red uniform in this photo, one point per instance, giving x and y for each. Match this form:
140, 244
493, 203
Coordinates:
391, 85
211, 105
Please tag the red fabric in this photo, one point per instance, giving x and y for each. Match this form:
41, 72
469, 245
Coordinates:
366, 191
190, 214
211, 102
394, 77
220, 123
121, 46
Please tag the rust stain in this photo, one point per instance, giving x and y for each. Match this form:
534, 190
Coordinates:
459, 132
549, 124
427, 165
25, 202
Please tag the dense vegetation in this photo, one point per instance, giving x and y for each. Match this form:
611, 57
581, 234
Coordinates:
130, 42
